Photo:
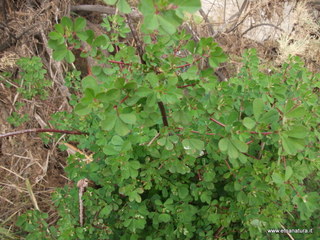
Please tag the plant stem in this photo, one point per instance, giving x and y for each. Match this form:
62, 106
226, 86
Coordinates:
163, 114
39, 130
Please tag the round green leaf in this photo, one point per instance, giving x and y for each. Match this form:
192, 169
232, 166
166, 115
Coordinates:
82, 109
193, 144
223, 144
164, 217
60, 53
55, 35
241, 146
288, 173
232, 151
183, 192
248, 123
297, 132
258, 107
109, 122
129, 118
67, 22
70, 57
124, 6
79, 24
110, 2
121, 128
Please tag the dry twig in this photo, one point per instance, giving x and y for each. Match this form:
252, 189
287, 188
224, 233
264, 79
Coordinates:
82, 184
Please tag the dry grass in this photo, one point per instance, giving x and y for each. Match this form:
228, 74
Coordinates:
29, 171
303, 39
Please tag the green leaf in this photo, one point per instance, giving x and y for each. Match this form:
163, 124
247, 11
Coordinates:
117, 140
169, 21
190, 6
183, 192
60, 53
270, 117
55, 35
292, 145
297, 132
89, 82
162, 141
70, 57
169, 146
105, 211
232, 151
123, 6
130, 85
119, 82
108, 122
59, 28
100, 41
151, 22
241, 146
79, 24
243, 159
82, 109
121, 128
153, 79
110, 150
110, 2
181, 117
147, 7
192, 143
258, 108
223, 144
67, 22
83, 36
296, 112
248, 123
277, 178
135, 165
129, 118
134, 196
164, 217
143, 92
217, 57
109, 96
288, 174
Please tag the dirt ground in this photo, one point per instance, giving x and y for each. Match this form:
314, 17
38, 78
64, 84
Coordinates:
24, 26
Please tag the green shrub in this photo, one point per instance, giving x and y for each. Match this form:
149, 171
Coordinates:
32, 81
179, 155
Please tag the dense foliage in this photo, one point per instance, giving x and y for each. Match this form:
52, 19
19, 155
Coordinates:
178, 154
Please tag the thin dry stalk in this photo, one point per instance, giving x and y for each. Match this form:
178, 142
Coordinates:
16, 174
31, 194
82, 184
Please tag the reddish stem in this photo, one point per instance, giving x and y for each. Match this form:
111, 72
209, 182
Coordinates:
294, 189
217, 122
124, 99
211, 134
185, 86
250, 156
188, 64
263, 133
184, 65
118, 62
38, 130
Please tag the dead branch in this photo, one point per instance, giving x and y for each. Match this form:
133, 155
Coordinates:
39, 130
259, 25
206, 19
135, 14
14, 39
